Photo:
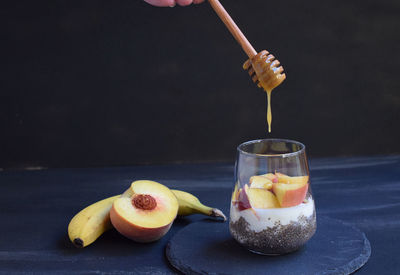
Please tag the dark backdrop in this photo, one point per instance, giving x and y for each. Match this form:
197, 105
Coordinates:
93, 83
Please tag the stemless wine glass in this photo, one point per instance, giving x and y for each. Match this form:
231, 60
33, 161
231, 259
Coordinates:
272, 207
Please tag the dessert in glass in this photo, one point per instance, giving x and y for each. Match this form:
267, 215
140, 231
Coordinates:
272, 208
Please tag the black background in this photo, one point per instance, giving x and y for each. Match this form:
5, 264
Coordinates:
102, 83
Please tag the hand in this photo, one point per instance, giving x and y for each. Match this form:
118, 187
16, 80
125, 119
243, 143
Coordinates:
172, 3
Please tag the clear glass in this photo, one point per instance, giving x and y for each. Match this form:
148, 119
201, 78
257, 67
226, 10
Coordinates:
272, 208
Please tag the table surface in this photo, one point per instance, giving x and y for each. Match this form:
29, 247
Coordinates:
36, 207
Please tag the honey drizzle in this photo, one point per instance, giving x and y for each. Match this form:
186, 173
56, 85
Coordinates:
267, 74
269, 113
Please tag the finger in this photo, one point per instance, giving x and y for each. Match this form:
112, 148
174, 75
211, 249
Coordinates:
161, 3
198, 1
184, 2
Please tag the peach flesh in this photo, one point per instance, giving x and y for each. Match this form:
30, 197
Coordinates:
272, 177
262, 198
292, 180
260, 182
137, 233
146, 213
290, 194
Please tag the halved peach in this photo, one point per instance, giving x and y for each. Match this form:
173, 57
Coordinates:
287, 179
145, 212
262, 198
290, 194
260, 182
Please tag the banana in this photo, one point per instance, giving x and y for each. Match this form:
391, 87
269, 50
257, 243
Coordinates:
189, 204
86, 226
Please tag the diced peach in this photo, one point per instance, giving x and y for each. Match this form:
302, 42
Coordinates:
282, 178
271, 177
243, 201
262, 198
290, 194
260, 182
235, 194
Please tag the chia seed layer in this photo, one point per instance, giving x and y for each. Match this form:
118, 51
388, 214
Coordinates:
279, 239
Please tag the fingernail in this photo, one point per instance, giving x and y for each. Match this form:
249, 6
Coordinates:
173, 5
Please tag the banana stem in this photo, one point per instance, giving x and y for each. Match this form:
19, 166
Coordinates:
218, 213
209, 211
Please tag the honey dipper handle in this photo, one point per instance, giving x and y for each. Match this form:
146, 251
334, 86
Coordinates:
233, 28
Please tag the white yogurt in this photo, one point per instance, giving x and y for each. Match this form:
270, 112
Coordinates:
260, 219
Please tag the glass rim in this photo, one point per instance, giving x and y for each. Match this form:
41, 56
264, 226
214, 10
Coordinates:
283, 155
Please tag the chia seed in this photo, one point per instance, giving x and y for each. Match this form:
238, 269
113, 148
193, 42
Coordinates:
279, 239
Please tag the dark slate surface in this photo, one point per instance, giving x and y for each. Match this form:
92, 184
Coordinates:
207, 247
36, 206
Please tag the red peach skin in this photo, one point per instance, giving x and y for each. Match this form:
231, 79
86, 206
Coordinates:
289, 194
135, 232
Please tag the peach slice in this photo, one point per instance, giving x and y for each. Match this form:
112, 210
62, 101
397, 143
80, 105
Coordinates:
287, 179
271, 177
145, 212
290, 194
262, 198
235, 194
243, 199
260, 182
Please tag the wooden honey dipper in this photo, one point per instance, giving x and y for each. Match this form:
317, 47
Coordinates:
263, 68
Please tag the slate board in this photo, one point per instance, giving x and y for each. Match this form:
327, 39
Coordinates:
206, 247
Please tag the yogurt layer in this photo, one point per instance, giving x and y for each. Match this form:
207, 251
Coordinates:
260, 219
